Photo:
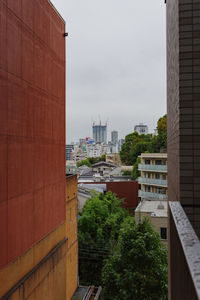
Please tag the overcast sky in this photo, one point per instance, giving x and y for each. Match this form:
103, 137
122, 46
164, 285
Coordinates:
116, 64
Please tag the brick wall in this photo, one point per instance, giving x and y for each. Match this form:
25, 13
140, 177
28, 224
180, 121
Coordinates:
72, 237
183, 36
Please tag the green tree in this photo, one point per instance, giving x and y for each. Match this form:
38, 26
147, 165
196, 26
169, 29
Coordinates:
138, 268
135, 144
162, 125
128, 152
98, 230
162, 131
127, 173
139, 148
84, 162
91, 160
136, 173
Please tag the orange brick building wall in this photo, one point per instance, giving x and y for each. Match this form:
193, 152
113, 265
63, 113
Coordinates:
71, 232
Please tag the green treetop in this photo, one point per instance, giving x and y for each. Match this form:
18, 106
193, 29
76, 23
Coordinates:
98, 230
138, 268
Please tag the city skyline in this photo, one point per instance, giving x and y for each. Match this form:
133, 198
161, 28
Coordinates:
109, 133
116, 69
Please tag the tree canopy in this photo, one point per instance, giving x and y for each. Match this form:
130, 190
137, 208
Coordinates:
127, 259
91, 160
138, 268
136, 144
130, 150
98, 230
136, 173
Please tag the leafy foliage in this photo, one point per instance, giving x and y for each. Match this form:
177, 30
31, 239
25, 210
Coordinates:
136, 144
136, 173
162, 131
91, 160
138, 268
127, 172
98, 230
130, 150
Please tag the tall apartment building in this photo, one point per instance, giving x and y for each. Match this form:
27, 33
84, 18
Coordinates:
183, 113
36, 251
153, 192
99, 133
68, 151
114, 137
153, 178
141, 129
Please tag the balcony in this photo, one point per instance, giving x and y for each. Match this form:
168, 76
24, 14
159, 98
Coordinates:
184, 256
152, 196
152, 168
151, 181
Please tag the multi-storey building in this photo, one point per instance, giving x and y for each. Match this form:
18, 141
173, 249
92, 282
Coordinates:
121, 142
99, 133
72, 236
38, 257
94, 150
68, 151
141, 129
114, 137
153, 178
153, 191
183, 147
156, 211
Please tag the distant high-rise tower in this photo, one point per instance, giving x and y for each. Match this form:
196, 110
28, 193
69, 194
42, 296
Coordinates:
100, 133
141, 129
114, 137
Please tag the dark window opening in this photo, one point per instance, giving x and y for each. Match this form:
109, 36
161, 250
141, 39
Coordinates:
163, 233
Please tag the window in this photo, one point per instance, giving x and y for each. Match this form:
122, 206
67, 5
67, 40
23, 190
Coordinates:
147, 161
158, 162
159, 190
158, 176
147, 189
148, 175
163, 233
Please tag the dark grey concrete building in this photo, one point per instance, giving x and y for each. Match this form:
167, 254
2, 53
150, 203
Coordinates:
183, 109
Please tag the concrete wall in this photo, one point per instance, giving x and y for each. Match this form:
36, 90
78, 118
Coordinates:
157, 222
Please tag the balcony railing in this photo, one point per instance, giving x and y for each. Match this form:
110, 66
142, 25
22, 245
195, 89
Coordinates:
152, 196
184, 256
151, 181
153, 168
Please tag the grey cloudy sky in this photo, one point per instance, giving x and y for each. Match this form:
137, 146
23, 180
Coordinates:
116, 61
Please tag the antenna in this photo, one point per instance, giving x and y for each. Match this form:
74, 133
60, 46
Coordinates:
92, 120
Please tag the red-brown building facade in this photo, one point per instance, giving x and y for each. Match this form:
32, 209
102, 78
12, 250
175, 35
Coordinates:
32, 150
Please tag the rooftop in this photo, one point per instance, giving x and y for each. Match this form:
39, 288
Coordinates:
156, 208
153, 155
104, 163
